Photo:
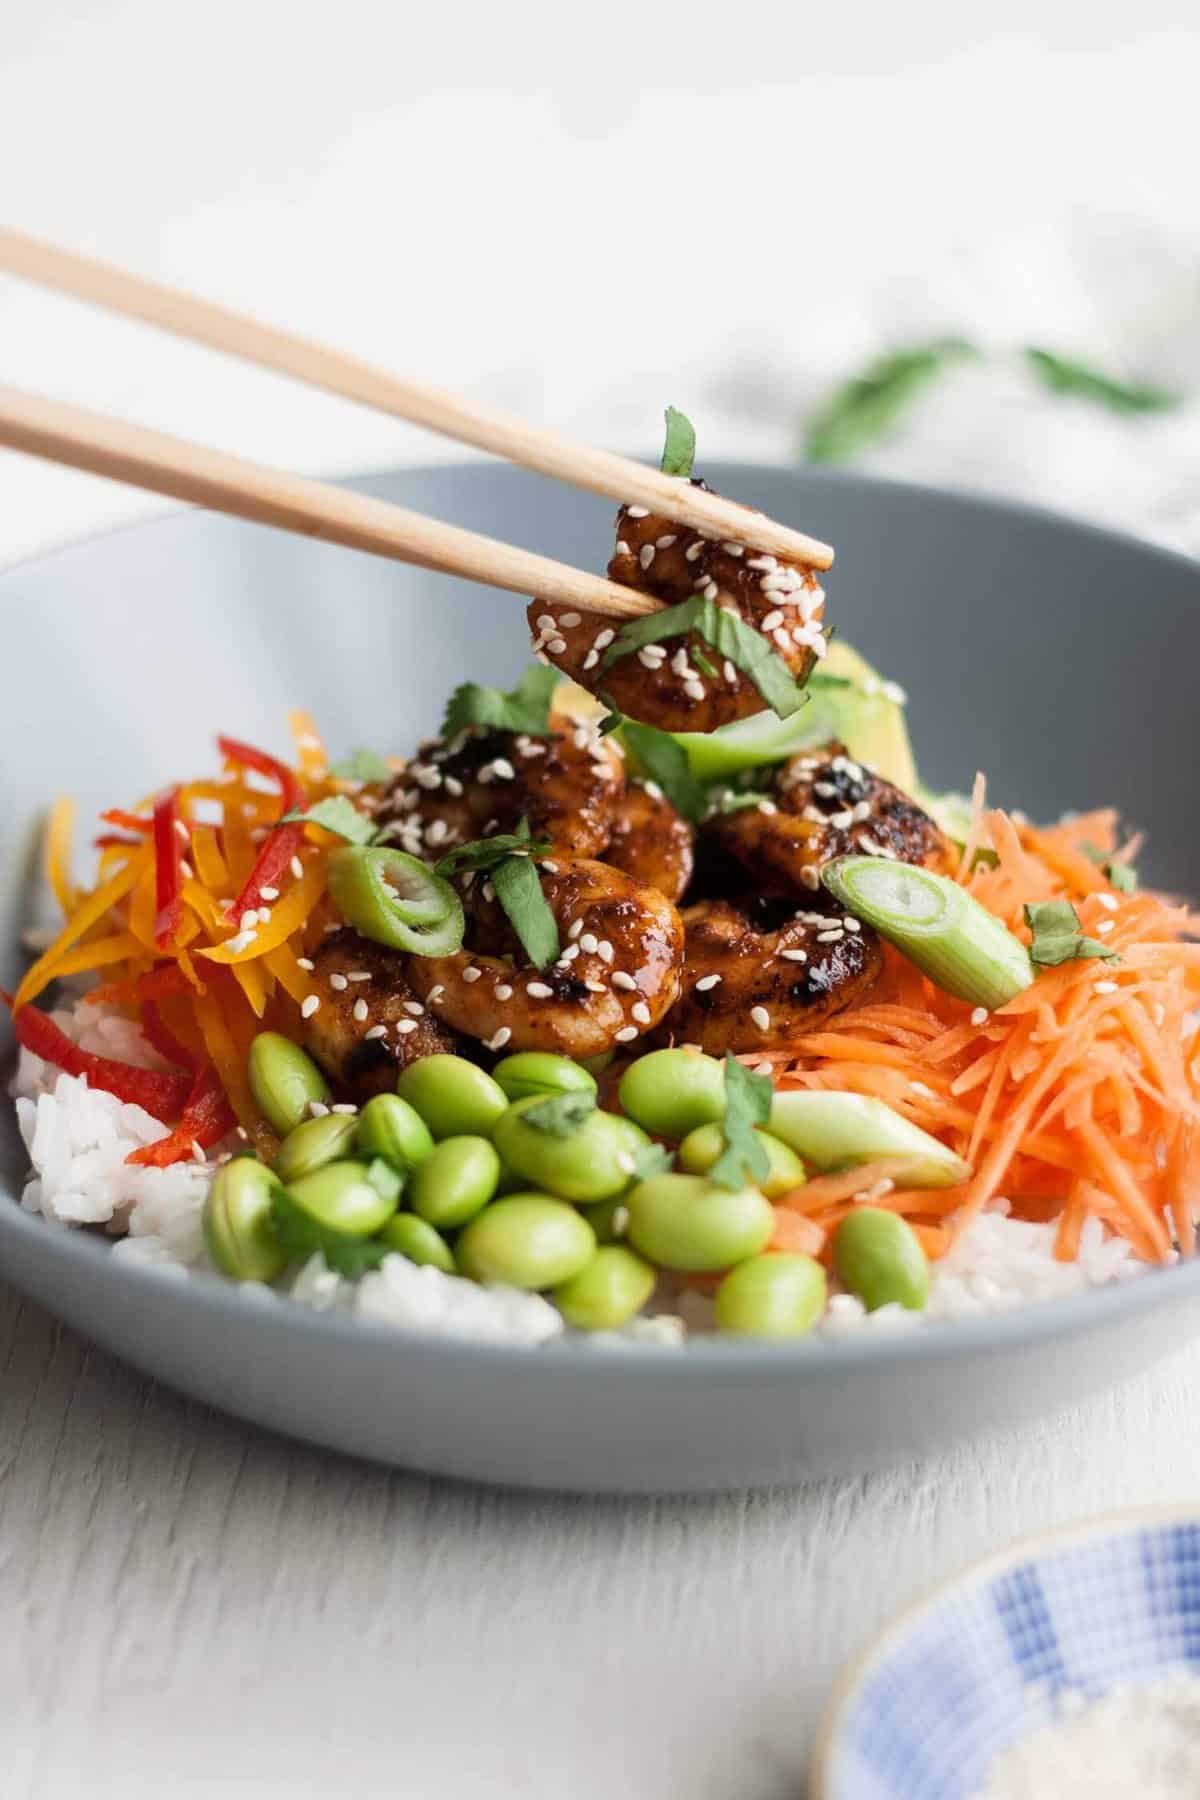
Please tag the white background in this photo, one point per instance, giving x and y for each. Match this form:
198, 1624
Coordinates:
584, 212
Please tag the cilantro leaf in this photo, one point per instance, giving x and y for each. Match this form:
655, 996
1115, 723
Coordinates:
650, 1160
525, 708
866, 409
679, 449
729, 636
747, 1104
362, 765
519, 891
1062, 375
560, 1115
485, 853
339, 815
302, 1237
664, 760
1057, 937
1122, 876
705, 667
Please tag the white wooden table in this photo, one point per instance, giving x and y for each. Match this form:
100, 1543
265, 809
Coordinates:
191, 1606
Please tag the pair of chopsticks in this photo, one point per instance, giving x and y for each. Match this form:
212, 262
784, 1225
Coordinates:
103, 445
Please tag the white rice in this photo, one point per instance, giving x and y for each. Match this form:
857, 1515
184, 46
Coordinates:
78, 1139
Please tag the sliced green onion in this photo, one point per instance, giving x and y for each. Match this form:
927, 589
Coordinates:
395, 900
838, 1131
963, 948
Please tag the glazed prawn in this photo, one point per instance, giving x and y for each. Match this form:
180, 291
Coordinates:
667, 684
369, 1024
820, 805
616, 977
758, 974
652, 841
567, 784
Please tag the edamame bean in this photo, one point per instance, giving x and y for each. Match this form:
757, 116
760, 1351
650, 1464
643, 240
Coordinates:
592, 1163
539, 1072
418, 1241
341, 1198
389, 1127
701, 1148
313, 1143
457, 1178
877, 1256
610, 1289
237, 1222
686, 1222
609, 1219
454, 1098
670, 1092
526, 1241
772, 1297
284, 1080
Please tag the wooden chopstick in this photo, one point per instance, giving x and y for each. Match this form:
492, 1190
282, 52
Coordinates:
229, 484
487, 428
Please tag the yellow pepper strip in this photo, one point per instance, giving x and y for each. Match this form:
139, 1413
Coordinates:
241, 851
58, 853
310, 751
287, 971
143, 907
189, 969
207, 858
199, 901
249, 978
230, 1066
287, 916
98, 953
89, 913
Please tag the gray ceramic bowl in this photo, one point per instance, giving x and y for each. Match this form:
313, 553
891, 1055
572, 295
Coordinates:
1060, 658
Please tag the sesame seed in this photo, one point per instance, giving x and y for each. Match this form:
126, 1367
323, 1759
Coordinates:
768, 807
694, 550
734, 549
343, 1107
810, 877
1105, 987
504, 769
539, 990
892, 691
833, 936
557, 646
500, 1039
359, 975
694, 690
646, 555
626, 982
269, 893
636, 512
705, 982
297, 867
641, 1012
840, 820
604, 950
1105, 926
761, 562
664, 543
305, 962
454, 787
729, 672
852, 924
248, 920
794, 955
310, 1005
504, 991
619, 1224
760, 1017
771, 620
652, 656
338, 983
575, 928
1109, 902
625, 1163
622, 547
414, 1007
626, 1034
711, 591
979, 1016
488, 891
589, 942
317, 1109
404, 1026
376, 1031
570, 620
594, 987
264, 915
546, 622
361, 1012
591, 659
603, 639
471, 974
435, 994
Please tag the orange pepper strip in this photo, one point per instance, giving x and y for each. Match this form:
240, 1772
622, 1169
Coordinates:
88, 914
287, 916
287, 971
58, 853
206, 855
310, 751
229, 1064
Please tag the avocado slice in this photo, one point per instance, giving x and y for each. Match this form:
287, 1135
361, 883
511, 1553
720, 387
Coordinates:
868, 716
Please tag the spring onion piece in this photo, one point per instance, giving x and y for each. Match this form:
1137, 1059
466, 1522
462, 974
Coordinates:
839, 1131
679, 448
963, 948
395, 900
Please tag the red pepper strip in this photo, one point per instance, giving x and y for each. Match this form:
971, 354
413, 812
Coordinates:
168, 871
128, 821
112, 840
207, 1118
294, 797
161, 1038
155, 984
284, 842
163, 1096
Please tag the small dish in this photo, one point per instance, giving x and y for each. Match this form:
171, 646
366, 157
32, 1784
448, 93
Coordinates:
988, 1656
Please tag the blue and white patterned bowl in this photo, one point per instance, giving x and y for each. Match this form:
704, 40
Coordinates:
979, 1663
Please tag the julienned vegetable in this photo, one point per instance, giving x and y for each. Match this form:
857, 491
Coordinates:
395, 900
963, 948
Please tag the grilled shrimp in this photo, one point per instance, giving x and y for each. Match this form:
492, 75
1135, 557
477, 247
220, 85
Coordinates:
824, 804
666, 684
566, 784
651, 841
758, 974
370, 1023
622, 951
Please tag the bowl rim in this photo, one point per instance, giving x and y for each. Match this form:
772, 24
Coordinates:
994, 1333
972, 1575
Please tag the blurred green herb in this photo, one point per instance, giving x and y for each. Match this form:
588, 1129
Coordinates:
870, 406
1063, 375
679, 449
